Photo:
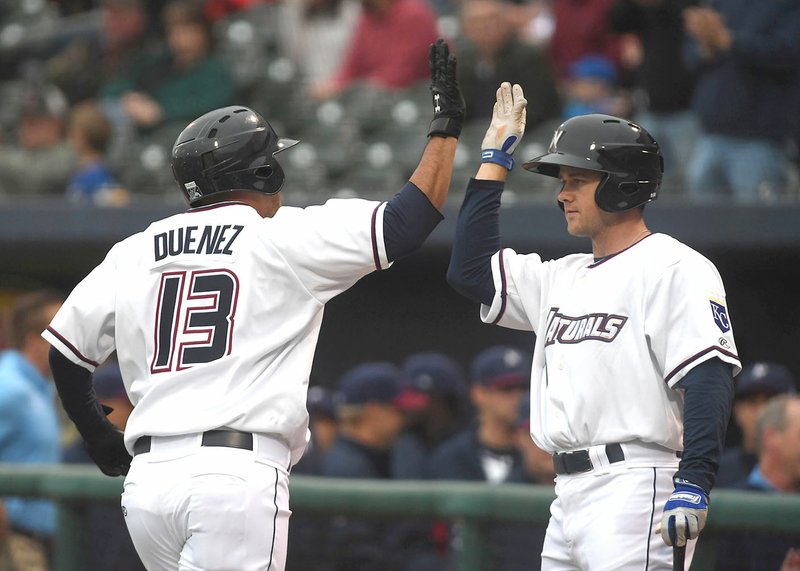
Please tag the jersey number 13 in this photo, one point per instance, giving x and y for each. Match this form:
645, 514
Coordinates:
194, 318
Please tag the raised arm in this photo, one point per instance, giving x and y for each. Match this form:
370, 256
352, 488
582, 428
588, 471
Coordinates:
413, 213
478, 229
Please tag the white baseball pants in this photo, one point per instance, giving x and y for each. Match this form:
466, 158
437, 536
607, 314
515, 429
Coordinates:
207, 508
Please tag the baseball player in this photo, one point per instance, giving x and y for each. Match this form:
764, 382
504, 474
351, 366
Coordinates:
214, 314
631, 385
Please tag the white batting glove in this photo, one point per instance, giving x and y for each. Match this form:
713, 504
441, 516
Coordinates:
507, 126
685, 514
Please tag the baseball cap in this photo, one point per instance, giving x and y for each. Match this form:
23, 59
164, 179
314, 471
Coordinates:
593, 67
434, 373
765, 378
378, 382
321, 401
502, 366
108, 382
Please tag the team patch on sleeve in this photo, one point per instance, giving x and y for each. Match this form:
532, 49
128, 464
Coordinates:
720, 313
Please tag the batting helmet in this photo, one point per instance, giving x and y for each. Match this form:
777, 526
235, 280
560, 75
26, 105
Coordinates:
225, 150
627, 154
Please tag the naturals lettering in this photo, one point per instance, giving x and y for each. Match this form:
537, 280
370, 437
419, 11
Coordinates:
193, 240
593, 327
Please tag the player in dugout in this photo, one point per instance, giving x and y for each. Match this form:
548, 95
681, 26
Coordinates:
214, 314
631, 385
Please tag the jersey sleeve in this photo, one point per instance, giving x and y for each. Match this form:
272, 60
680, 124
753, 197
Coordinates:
518, 290
332, 246
687, 320
83, 328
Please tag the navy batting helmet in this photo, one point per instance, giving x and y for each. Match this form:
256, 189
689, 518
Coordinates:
627, 154
225, 150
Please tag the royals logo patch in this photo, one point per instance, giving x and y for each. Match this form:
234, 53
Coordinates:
720, 314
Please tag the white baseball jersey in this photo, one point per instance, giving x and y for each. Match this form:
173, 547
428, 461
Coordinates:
613, 337
215, 313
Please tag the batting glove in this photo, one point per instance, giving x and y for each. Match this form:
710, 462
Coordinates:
448, 102
685, 514
507, 126
106, 448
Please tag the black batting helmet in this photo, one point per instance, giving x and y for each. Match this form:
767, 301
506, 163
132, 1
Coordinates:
228, 149
623, 150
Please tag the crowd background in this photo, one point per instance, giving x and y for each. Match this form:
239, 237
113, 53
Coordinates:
405, 382
94, 91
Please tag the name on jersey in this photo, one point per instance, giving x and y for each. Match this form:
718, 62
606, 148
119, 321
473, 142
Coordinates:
217, 239
592, 327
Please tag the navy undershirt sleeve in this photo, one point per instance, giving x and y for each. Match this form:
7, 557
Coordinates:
408, 219
76, 390
477, 239
707, 404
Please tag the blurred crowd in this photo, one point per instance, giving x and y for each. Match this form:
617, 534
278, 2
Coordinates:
428, 417
93, 92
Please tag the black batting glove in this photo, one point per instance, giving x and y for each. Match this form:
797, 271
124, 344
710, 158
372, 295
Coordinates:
448, 102
106, 448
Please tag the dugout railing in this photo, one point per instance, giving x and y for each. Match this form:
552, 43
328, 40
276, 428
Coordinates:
472, 506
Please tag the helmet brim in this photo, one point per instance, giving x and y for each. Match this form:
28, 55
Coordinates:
284, 144
552, 161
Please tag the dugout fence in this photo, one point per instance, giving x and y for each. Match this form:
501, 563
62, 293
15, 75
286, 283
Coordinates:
471, 506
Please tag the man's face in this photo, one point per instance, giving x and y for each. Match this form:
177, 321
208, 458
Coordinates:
745, 411
788, 441
499, 404
584, 217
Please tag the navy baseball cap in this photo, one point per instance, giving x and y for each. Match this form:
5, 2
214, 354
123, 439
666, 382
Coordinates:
435, 374
502, 367
378, 382
321, 401
765, 378
108, 382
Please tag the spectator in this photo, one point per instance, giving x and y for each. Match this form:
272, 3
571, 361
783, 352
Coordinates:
178, 84
89, 133
755, 386
490, 53
537, 465
388, 48
107, 542
315, 33
486, 451
663, 83
777, 472
310, 529
591, 87
747, 97
371, 417
29, 425
518, 542
321, 404
441, 379
124, 40
39, 161
580, 28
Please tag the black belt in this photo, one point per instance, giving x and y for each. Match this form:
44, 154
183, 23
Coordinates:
226, 438
579, 461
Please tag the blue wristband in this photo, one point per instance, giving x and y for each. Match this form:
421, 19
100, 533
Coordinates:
498, 157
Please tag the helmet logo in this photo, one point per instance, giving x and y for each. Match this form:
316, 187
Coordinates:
192, 190
554, 143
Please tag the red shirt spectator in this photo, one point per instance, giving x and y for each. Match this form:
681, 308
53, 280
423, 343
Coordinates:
582, 28
389, 47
